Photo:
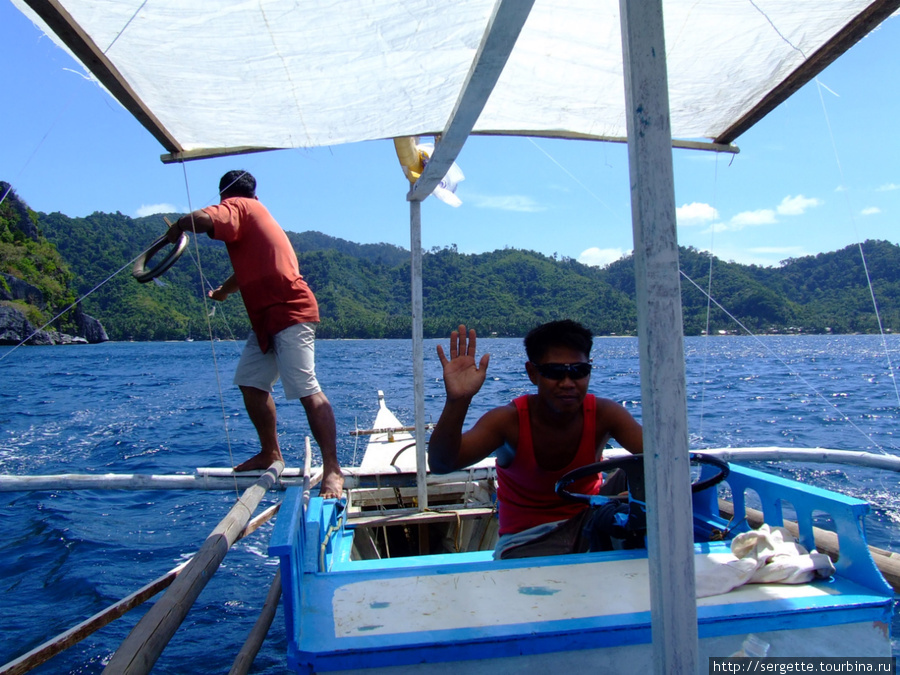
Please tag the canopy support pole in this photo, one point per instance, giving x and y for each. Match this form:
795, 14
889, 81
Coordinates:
418, 348
673, 601
497, 43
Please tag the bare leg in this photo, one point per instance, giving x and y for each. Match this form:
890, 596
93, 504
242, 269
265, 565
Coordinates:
320, 415
261, 408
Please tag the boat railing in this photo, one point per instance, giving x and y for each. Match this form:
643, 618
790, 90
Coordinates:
775, 495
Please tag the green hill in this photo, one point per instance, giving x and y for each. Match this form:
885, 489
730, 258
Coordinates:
34, 279
363, 289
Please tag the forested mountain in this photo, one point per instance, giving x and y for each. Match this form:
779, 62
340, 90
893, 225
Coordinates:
363, 289
34, 279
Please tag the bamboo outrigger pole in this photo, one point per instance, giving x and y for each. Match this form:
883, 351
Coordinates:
46, 651
143, 646
244, 660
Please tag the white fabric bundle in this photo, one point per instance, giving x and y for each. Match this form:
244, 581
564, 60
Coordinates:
763, 556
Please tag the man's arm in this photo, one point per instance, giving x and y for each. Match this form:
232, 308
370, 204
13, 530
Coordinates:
449, 448
229, 286
198, 221
620, 425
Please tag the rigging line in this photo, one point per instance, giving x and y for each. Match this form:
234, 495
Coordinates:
859, 244
218, 306
789, 369
125, 27
712, 237
95, 288
862, 254
65, 107
573, 177
212, 343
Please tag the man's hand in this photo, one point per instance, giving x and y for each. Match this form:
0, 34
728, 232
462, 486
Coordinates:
462, 377
219, 294
173, 234
229, 286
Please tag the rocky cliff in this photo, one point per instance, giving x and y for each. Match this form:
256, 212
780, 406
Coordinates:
34, 283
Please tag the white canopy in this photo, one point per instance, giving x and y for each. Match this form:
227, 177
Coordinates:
215, 76
223, 76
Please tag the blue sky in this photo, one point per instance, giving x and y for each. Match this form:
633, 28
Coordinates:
820, 173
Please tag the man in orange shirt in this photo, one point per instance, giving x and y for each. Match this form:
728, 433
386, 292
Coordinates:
283, 313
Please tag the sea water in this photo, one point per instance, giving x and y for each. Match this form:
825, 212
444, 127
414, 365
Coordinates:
167, 408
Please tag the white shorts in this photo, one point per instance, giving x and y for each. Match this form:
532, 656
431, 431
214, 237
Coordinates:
292, 357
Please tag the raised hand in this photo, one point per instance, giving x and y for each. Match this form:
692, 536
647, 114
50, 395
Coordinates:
462, 376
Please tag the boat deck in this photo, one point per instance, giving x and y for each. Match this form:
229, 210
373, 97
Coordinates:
359, 614
433, 612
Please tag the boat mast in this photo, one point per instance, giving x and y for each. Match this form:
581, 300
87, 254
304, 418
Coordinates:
497, 43
660, 333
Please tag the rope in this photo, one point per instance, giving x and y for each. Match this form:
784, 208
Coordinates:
95, 288
212, 344
790, 371
862, 254
712, 237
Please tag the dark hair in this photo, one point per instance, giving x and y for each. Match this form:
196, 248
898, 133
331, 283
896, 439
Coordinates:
565, 333
237, 183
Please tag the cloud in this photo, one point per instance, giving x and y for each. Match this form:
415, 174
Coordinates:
796, 206
889, 187
758, 217
870, 211
151, 209
600, 257
518, 203
695, 213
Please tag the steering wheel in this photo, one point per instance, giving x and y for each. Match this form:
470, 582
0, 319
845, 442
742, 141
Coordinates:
140, 271
633, 466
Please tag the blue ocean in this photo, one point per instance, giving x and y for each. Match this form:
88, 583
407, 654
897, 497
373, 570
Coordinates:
167, 408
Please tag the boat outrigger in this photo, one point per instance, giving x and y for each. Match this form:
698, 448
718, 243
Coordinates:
400, 576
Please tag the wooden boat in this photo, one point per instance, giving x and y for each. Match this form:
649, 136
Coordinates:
439, 602
349, 607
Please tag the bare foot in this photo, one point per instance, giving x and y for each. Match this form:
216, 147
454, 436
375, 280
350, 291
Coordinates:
259, 462
332, 485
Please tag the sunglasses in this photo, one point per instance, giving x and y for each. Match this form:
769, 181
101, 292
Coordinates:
560, 371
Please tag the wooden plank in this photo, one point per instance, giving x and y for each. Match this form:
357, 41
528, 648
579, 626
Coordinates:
386, 430
571, 135
498, 41
411, 516
211, 478
849, 35
660, 338
143, 646
95, 60
47, 650
130, 482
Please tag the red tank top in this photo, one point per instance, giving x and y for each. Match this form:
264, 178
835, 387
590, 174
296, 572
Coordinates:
525, 492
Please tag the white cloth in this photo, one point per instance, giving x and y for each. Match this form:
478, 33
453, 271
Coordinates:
763, 556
